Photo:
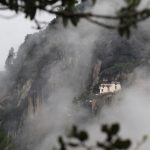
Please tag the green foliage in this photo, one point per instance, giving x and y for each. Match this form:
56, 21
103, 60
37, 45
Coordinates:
80, 135
128, 16
5, 141
113, 140
79, 138
83, 97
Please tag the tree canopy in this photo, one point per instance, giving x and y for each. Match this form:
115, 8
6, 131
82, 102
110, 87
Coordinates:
128, 16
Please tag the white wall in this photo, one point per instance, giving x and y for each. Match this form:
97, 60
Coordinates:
110, 87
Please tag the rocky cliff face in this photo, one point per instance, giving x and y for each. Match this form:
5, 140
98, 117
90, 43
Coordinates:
49, 67
57, 64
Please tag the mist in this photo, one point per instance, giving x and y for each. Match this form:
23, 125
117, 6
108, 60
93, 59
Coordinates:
52, 67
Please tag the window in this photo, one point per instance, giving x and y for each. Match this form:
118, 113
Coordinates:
108, 87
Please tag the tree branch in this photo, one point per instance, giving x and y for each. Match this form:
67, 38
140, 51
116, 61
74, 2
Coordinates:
100, 23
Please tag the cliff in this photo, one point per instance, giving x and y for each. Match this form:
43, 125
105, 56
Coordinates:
57, 64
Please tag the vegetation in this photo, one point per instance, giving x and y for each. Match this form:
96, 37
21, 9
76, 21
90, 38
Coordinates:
127, 17
5, 141
79, 138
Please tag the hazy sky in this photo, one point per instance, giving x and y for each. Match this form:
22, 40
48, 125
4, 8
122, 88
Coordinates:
13, 32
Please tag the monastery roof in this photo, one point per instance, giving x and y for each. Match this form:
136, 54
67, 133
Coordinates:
110, 82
